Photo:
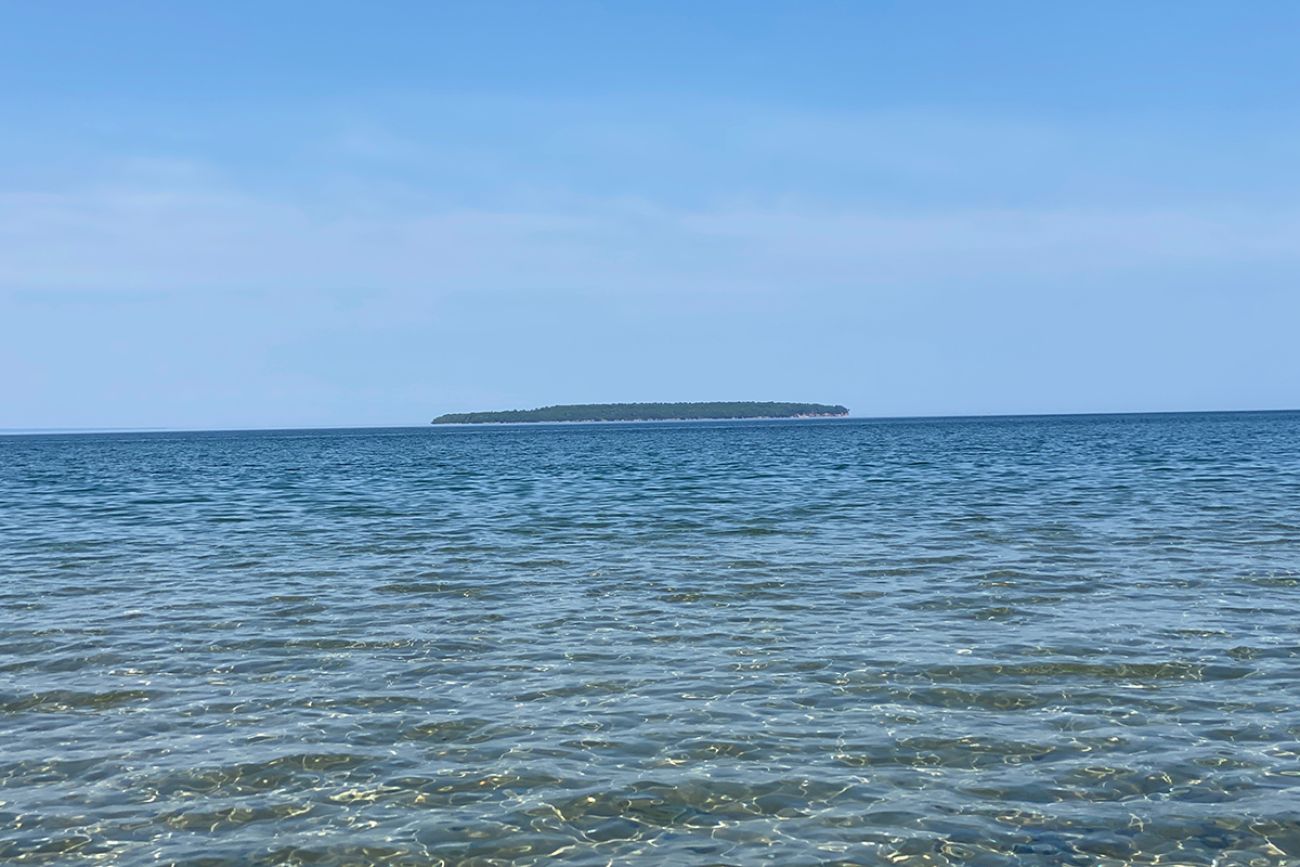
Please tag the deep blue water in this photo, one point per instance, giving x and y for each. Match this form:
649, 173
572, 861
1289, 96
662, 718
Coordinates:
1032, 640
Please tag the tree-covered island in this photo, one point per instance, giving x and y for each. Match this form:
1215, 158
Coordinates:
649, 412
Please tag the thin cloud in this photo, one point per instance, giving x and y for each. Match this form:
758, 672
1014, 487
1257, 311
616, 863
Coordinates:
200, 236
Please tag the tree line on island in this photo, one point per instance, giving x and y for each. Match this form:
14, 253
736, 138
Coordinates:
648, 412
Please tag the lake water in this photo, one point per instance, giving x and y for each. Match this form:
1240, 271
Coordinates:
1047, 640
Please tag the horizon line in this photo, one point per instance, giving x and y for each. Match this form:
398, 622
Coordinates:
90, 431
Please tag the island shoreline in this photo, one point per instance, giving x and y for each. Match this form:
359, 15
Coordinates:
644, 420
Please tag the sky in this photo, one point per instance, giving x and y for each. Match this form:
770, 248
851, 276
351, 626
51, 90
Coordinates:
249, 214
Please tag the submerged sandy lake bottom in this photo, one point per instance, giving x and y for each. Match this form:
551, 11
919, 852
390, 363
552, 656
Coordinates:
1041, 640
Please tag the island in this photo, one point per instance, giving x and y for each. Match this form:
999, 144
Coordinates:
648, 412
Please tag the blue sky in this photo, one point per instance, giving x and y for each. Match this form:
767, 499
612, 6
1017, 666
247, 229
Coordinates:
280, 214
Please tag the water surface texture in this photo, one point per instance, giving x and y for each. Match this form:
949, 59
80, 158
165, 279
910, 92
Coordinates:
1031, 640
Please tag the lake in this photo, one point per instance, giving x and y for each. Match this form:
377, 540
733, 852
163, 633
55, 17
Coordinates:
942, 641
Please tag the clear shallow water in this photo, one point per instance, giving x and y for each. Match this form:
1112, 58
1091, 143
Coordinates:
1057, 640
